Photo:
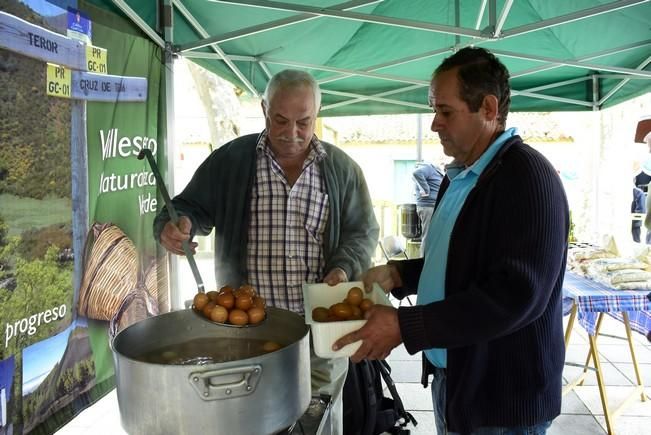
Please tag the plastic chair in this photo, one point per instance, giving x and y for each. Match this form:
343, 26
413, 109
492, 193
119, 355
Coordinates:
393, 246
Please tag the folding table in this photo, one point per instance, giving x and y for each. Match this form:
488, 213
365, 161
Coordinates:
590, 300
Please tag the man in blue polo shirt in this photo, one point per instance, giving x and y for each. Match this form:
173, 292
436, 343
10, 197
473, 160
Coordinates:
489, 312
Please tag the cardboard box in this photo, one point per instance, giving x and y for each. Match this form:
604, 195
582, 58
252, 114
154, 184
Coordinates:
324, 334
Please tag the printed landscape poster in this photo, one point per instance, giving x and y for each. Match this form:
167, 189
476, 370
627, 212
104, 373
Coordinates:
121, 255
55, 359
36, 258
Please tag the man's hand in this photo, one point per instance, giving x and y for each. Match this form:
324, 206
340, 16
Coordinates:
335, 276
379, 335
386, 276
173, 236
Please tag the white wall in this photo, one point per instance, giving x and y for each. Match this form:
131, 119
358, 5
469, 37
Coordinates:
597, 163
619, 161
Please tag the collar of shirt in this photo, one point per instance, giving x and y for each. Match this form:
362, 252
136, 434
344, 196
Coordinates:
457, 168
317, 151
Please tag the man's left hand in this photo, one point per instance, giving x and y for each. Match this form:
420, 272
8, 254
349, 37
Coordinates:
379, 335
335, 276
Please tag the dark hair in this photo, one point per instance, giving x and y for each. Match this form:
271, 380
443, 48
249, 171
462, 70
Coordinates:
480, 73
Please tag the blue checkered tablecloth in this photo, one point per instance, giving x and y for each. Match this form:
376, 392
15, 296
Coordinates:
593, 298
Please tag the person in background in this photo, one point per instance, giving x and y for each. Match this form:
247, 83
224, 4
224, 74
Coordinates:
427, 180
644, 188
286, 208
638, 205
489, 316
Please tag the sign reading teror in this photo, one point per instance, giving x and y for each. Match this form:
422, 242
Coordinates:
30, 40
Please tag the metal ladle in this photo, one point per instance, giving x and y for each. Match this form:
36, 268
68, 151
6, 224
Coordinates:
174, 217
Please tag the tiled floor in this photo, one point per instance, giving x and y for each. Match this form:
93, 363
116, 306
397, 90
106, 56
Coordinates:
581, 411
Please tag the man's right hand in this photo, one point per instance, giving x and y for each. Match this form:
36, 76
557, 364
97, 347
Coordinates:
386, 276
173, 236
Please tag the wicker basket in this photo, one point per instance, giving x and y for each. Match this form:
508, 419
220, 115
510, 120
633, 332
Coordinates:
110, 272
137, 305
155, 281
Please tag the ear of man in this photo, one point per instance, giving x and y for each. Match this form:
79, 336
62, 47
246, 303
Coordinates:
489, 107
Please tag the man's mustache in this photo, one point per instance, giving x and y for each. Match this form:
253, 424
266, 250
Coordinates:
296, 140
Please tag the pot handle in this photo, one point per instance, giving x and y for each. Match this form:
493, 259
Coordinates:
226, 383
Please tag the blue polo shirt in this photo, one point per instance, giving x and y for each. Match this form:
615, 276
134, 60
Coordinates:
431, 286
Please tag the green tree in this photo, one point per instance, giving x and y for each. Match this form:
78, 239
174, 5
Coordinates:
61, 387
68, 381
28, 409
40, 285
4, 229
5, 261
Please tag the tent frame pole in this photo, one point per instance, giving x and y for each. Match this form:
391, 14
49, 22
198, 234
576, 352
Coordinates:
170, 141
272, 25
133, 16
214, 47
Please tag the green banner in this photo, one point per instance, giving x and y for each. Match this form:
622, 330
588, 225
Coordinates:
76, 208
121, 188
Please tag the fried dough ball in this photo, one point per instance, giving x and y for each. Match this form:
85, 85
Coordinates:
226, 300
219, 314
270, 346
243, 302
212, 295
355, 296
238, 317
208, 309
366, 304
226, 289
238, 307
341, 310
320, 314
200, 300
247, 288
259, 302
256, 315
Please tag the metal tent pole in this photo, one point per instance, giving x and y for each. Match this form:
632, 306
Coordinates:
419, 137
170, 140
79, 162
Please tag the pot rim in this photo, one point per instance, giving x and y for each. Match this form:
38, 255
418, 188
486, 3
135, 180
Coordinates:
114, 344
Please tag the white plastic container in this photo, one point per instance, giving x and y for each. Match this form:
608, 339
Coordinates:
325, 334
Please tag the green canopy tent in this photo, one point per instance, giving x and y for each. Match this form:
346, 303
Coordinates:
376, 56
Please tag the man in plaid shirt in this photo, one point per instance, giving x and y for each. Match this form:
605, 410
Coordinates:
287, 209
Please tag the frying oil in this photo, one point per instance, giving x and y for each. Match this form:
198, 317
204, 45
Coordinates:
207, 350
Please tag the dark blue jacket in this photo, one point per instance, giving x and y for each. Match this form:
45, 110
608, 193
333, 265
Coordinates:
501, 320
638, 205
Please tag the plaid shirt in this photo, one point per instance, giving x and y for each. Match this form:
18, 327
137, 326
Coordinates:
285, 247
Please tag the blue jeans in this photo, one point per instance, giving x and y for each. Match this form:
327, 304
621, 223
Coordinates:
438, 400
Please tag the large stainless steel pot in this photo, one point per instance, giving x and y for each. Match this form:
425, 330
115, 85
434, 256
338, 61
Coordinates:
255, 396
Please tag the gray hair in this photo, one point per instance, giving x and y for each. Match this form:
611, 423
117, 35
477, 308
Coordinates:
291, 78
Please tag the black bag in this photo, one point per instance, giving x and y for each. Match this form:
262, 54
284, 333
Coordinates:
366, 410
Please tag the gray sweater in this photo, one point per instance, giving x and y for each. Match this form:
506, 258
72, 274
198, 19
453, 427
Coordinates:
218, 197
